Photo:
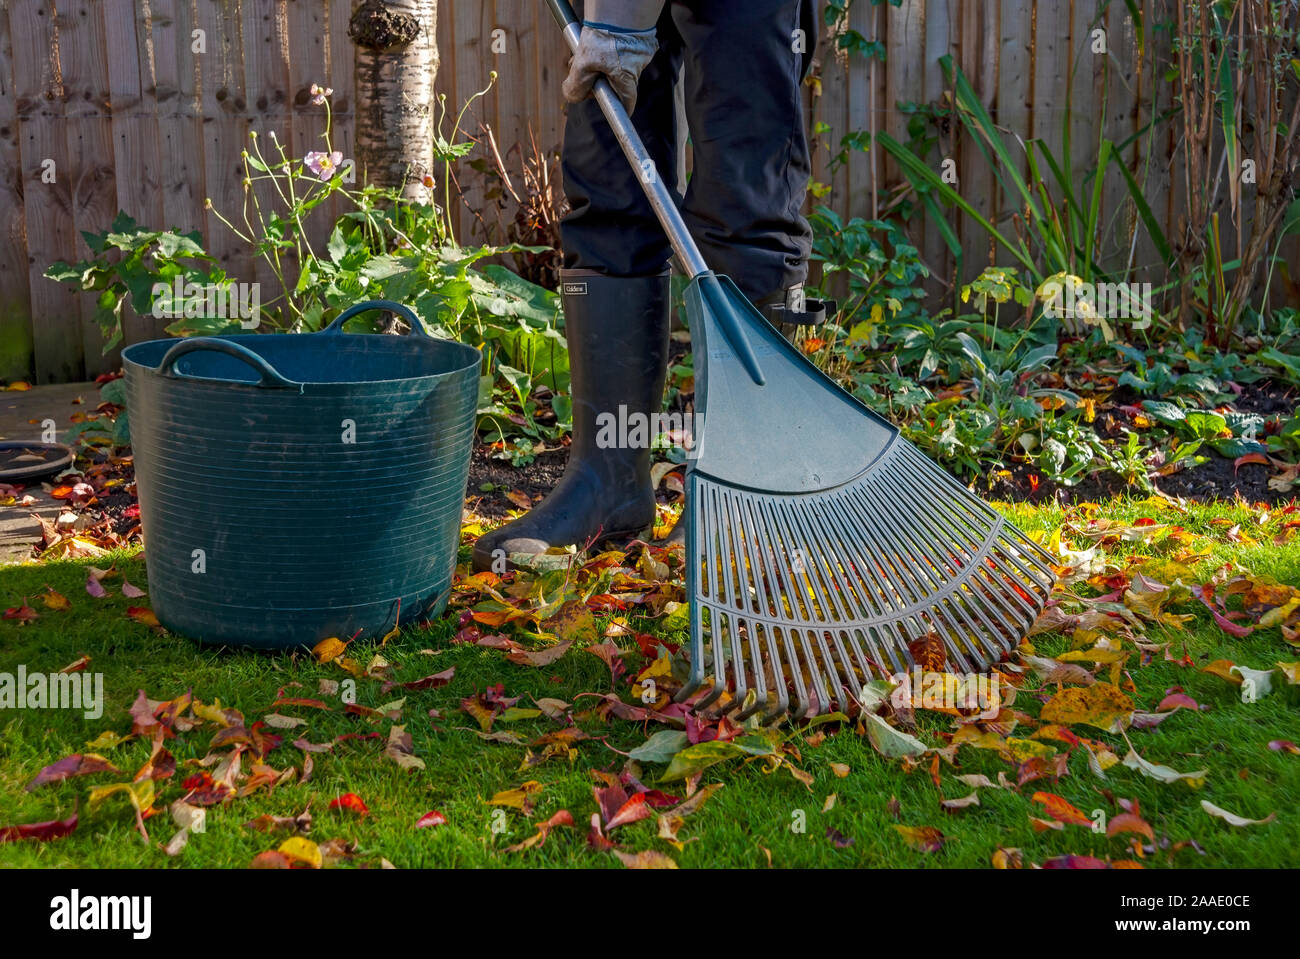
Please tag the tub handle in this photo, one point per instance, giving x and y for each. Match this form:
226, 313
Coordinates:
390, 305
270, 377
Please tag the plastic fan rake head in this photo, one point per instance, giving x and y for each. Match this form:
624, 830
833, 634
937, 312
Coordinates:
819, 542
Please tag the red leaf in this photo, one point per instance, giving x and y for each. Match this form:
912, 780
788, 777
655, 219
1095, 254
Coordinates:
23, 613
1076, 862
1061, 810
76, 764
1241, 461
635, 809
54, 829
1175, 700
431, 818
299, 701
350, 801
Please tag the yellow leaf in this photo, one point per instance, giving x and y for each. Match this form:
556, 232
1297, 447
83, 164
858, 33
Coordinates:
141, 794
303, 850
516, 798
55, 600
1101, 705
1024, 749
328, 650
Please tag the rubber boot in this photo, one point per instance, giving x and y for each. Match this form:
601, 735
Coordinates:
617, 331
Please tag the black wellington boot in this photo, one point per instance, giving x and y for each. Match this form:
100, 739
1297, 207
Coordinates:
617, 331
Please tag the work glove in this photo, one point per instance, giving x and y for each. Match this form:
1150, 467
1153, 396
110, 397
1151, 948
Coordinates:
618, 40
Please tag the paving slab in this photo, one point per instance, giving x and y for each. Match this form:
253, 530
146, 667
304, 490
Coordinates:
21, 414
57, 401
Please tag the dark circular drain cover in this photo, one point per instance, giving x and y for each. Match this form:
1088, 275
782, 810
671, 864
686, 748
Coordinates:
22, 462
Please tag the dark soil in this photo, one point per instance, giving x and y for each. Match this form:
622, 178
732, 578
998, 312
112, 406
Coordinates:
1217, 479
534, 480
1214, 480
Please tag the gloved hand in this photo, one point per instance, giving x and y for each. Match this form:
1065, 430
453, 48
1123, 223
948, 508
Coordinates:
618, 40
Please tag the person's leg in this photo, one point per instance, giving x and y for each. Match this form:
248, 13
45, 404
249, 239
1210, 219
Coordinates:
616, 308
610, 226
744, 68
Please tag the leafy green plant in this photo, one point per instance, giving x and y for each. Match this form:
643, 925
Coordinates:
883, 271
384, 247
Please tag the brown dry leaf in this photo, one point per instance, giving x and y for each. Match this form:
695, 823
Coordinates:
698, 799
955, 805
401, 749
540, 657
647, 859
1232, 819
276, 721
929, 653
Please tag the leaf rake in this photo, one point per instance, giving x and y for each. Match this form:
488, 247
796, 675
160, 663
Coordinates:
819, 542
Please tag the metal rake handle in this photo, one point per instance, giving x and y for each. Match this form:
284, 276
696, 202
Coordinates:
661, 199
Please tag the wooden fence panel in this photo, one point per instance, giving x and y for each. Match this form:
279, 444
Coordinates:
15, 287
145, 105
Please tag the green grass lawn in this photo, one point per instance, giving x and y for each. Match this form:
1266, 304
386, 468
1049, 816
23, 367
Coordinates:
748, 822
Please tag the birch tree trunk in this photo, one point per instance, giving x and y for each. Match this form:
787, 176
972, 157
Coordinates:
396, 62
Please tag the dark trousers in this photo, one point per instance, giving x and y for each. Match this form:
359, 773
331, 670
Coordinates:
750, 162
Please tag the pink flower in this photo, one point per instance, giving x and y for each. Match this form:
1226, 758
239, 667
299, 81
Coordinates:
324, 165
319, 93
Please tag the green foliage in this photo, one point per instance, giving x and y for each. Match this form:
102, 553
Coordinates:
386, 246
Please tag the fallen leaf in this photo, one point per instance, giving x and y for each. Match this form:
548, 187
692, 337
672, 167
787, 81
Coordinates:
351, 802
520, 798
924, 838
561, 818
142, 615
431, 818
953, 805
890, 742
1232, 819
1129, 822
1163, 774
400, 749
54, 600
1101, 705
276, 721
1061, 810
540, 657
77, 764
53, 829
647, 859
301, 851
